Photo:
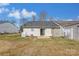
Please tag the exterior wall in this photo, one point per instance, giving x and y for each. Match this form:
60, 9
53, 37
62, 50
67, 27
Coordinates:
30, 31
76, 32
48, 32
68, 32
72, 32
57, 32
35, 32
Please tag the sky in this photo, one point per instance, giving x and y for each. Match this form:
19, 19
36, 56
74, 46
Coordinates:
60, 11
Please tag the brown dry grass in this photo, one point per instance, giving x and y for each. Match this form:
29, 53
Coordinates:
14, 45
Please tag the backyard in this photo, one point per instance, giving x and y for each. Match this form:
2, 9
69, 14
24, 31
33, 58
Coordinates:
14, 45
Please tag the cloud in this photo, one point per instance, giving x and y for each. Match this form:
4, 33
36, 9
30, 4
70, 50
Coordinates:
78, 17
33, 13
69, 19
15, 14
26, 14
3, 10
66, 19
21, 13
60, 19
4, 4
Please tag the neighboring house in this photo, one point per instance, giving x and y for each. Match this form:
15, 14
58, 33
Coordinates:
71, 29
6, 27
68, 29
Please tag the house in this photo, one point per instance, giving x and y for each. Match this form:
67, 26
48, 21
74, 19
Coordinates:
45, 28
6, 27
71, 29
68, 29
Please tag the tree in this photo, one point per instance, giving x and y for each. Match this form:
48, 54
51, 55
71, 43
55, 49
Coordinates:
33, 17
50, 19
42, 17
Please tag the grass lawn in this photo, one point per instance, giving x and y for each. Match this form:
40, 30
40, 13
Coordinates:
14, 45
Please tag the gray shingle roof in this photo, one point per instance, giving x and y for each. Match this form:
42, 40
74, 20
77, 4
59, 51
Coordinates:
39, 24
67, 23
49, 24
